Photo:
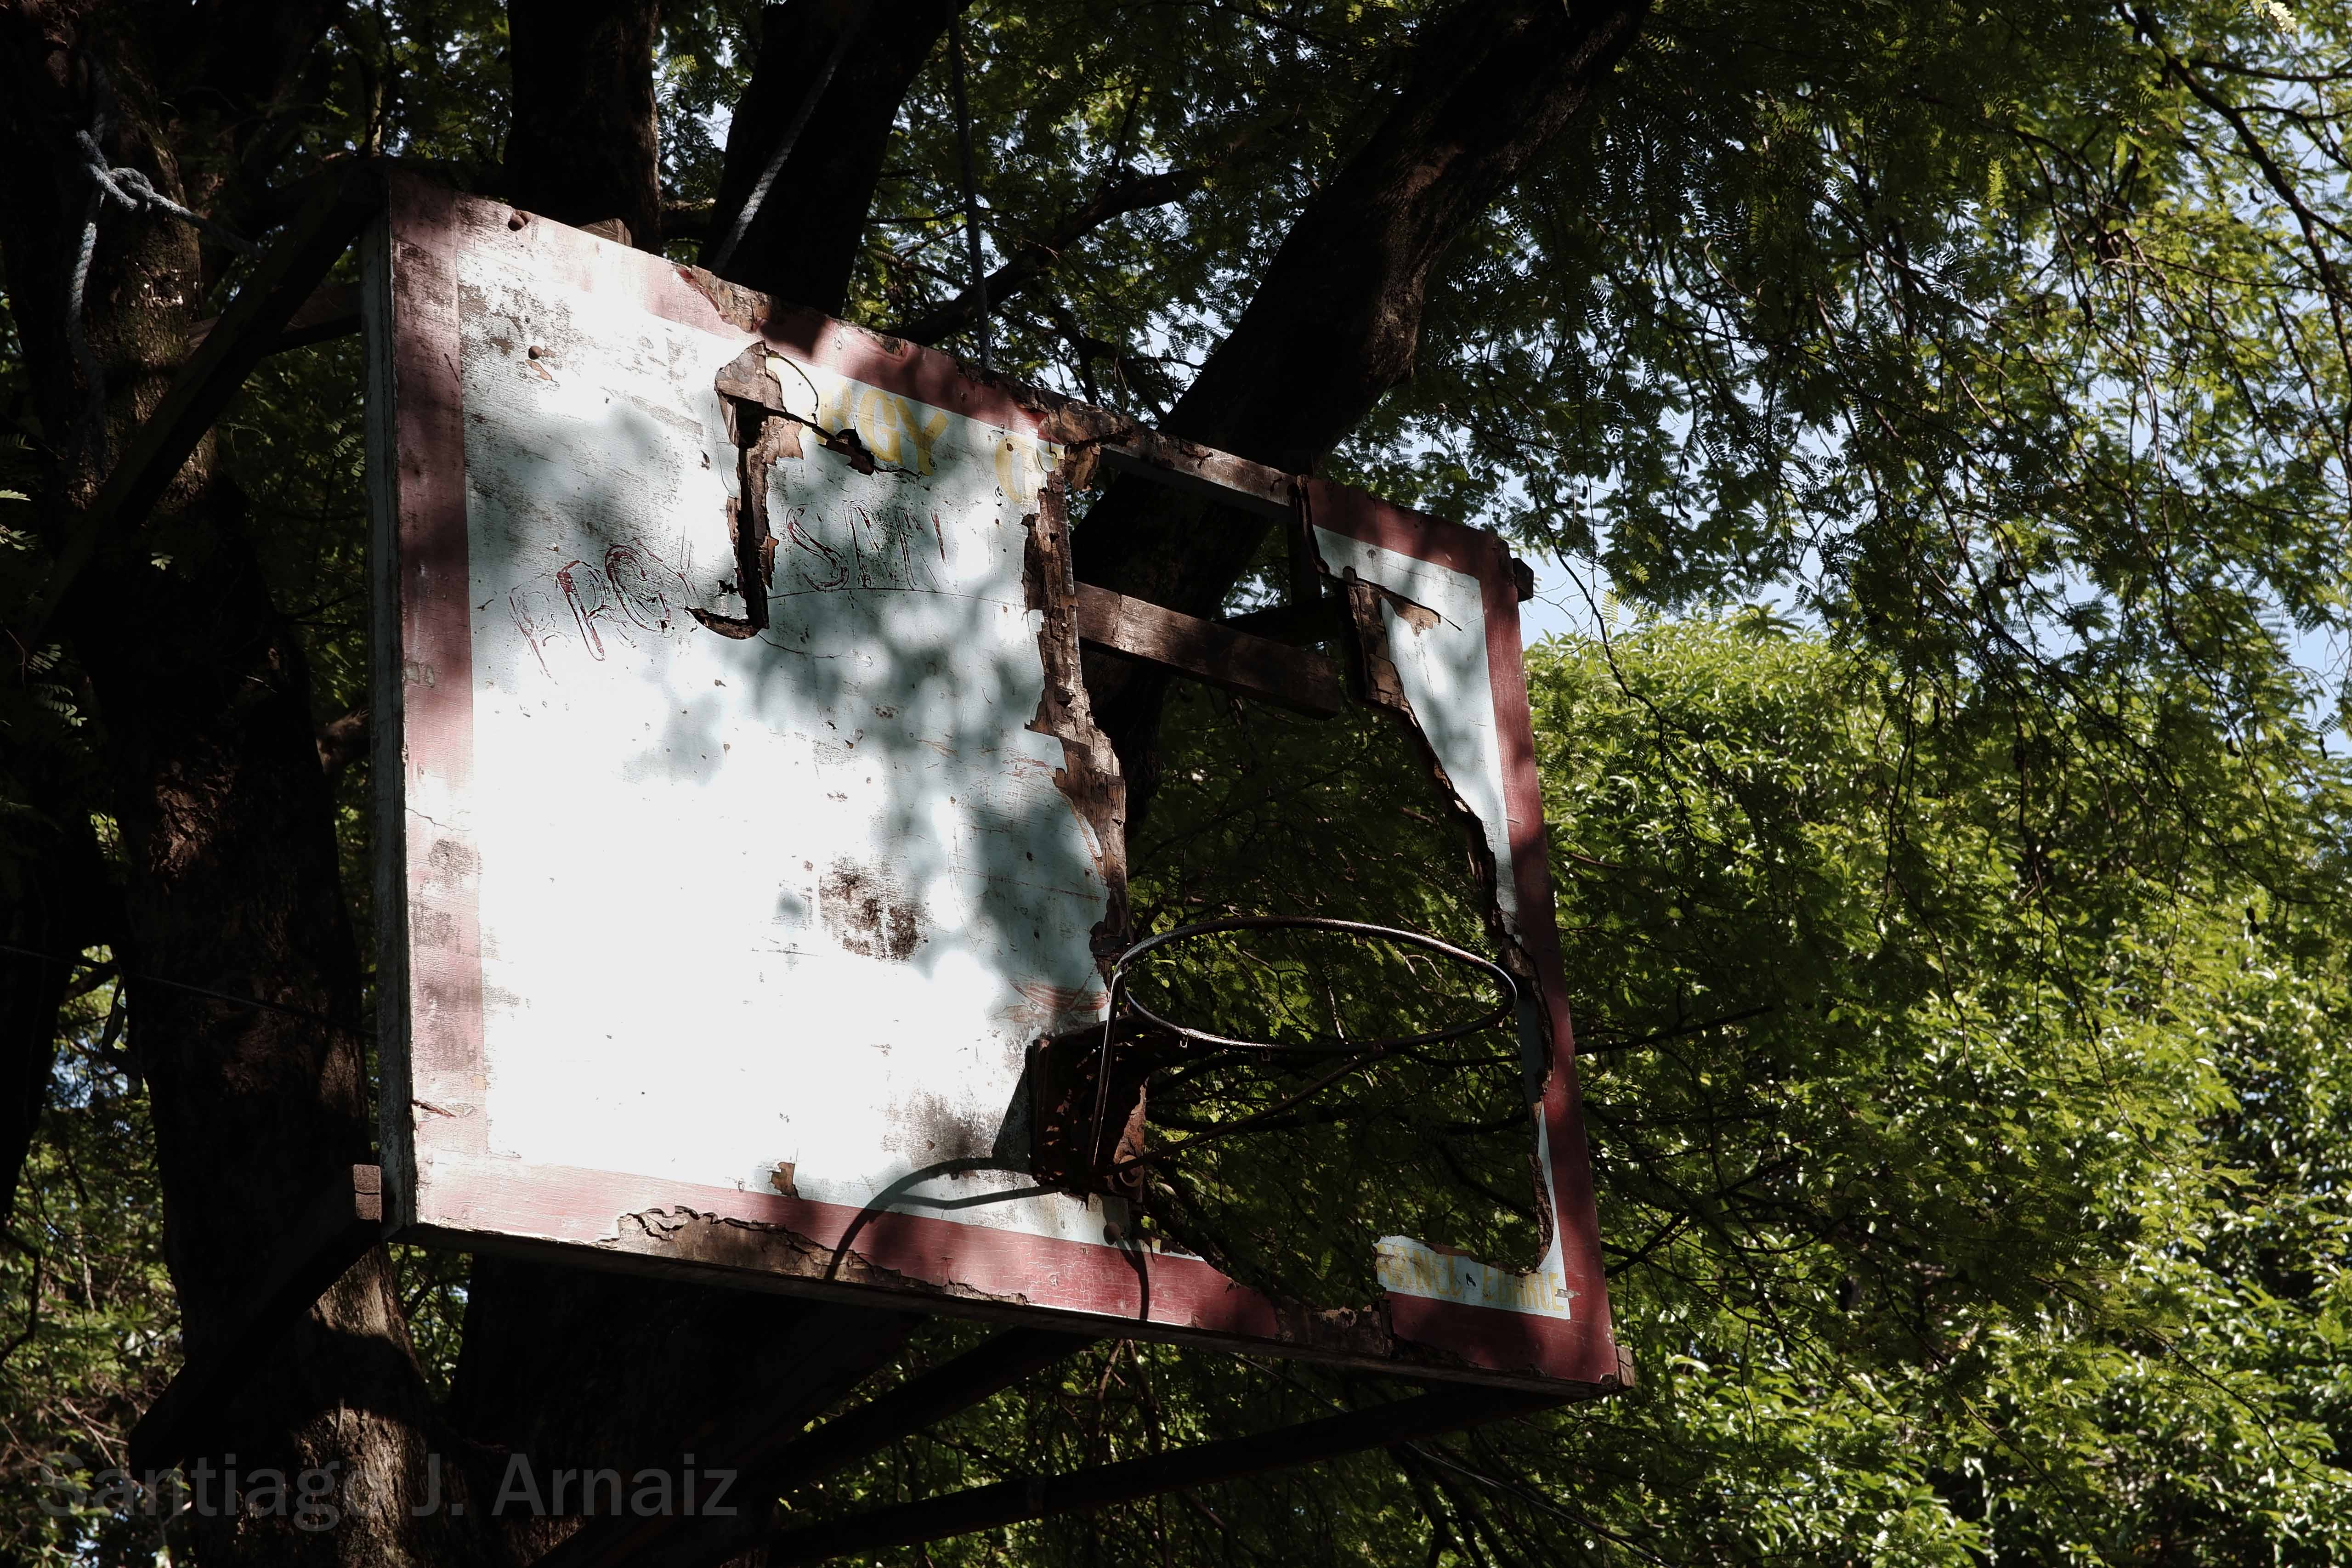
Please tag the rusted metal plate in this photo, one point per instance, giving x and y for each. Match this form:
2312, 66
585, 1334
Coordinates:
743, 820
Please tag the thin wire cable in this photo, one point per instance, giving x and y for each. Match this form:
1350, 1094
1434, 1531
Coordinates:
302, 1013
751, 204
971, 187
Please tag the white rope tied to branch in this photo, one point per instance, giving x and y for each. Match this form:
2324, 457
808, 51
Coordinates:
131, 190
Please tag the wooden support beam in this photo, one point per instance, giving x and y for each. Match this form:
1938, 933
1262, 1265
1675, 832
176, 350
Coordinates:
773, 1455
337, 1230
245, 333
1252, 666
332, 311
1201, 471
1041, 1497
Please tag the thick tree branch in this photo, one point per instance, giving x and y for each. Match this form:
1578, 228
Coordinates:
682, 219
1337, 320
249, 74
802, 243
229, 859
60, 893
343, 741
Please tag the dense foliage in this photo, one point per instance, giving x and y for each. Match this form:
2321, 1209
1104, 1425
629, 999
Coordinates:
1961, 1205
1948, 408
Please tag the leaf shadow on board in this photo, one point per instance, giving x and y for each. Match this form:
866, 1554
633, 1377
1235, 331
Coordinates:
793, 867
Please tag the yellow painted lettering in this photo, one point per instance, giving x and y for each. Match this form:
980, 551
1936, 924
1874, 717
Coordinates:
832, 410
1012, 467
926, 432
877, 422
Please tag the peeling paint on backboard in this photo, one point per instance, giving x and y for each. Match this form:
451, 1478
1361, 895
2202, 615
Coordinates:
664, 808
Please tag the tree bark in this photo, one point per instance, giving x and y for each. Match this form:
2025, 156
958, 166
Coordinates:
232, 886
202, 691
801, 243
1337, 320
583, 147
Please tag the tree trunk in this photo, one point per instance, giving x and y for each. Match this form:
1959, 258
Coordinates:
232, 886
582, 148
1337, 320
231, 880
801, 243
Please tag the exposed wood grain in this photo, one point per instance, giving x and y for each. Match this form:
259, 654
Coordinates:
1252, 666
1201, 471
421, 702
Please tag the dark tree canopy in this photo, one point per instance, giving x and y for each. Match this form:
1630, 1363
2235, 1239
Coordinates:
1946, 412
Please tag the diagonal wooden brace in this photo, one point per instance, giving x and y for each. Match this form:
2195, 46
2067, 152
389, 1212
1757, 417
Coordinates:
339, 1226
1210, 651
1010, 1502
333, 311
771, 1456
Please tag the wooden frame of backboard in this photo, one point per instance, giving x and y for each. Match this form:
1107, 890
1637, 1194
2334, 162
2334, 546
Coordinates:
1442, 1318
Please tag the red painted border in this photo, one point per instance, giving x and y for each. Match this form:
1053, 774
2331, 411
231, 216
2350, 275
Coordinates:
442, 924
1359, 514
460, 1191
1045, 1275
1481, 555
1571, 1163
1532, 1342
926, 375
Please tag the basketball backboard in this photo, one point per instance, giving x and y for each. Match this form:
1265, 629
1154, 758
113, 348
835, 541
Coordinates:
745, 826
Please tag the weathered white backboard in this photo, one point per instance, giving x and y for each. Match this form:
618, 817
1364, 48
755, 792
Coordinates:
719, 915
